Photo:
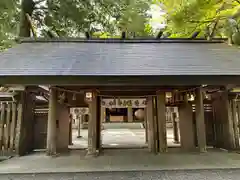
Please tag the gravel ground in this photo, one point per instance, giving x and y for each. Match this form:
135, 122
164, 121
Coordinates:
150, 175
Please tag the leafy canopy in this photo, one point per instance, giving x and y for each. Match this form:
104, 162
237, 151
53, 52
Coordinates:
208, 17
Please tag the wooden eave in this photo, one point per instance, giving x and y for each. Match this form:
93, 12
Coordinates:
108, 81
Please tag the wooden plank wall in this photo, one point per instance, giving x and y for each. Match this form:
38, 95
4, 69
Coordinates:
16, 126
8, 119
226, 121
25, 124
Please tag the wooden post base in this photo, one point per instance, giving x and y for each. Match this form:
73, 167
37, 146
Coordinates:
92, 154
52, 154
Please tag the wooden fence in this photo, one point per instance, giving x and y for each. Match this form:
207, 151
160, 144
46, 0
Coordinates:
10, 113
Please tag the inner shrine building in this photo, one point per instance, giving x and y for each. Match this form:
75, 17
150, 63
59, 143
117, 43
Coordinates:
198, 77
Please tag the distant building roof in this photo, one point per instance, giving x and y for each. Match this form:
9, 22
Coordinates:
120, 57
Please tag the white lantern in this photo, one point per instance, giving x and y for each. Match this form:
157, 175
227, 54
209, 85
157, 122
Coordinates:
139, 114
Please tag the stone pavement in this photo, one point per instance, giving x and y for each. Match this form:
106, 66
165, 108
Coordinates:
123, 137
116, 163
121, 160
225, 174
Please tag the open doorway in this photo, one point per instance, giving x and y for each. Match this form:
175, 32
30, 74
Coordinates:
120, 128
79, 128
123, 128
172, 127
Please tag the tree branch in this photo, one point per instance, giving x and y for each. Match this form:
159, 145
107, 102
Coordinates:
38, 2
208, 21
237, 1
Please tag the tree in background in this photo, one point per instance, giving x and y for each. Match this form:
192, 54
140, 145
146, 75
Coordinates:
202, 18
9, 18
71, 18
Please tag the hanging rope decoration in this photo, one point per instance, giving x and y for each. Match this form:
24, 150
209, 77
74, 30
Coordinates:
62, 98
176, 95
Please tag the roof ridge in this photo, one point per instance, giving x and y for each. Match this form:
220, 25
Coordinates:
119, 40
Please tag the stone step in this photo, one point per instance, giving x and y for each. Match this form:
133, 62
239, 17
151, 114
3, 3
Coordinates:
123, 125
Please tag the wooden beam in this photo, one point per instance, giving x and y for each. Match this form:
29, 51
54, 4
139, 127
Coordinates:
110, 81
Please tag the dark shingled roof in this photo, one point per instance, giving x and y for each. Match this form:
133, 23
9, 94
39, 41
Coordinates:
154, 57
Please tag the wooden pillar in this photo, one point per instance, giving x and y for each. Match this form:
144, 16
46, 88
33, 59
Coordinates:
103, 111
70, 129
238, 116
52, 117
200, 121
93, 125
161, 121
2, 124
13, 125
19, 125
235, 123
146, 125
84, 117
150, 125
186, 126
175, 128
79, 119
7, 127
130, 114
98, 124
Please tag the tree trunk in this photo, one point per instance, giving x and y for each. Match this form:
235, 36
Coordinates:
27, 7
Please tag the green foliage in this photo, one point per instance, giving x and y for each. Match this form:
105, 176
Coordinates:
133, 17
8, 22
211, 17
71, 18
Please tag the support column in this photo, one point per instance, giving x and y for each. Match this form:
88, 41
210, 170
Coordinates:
150, 125
84, 117
186, 126
93, 125
79, 119
175, 128
146, 125
70, 129
235, 123
103, 111
52, 117
161, 121
130, 114
99, 125
200, 121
